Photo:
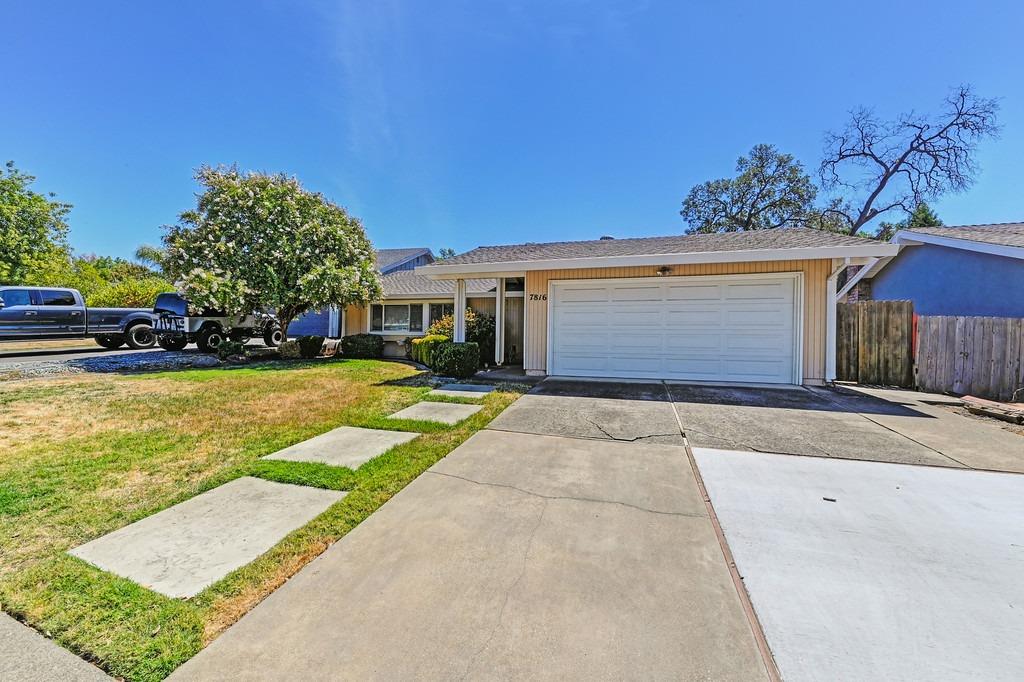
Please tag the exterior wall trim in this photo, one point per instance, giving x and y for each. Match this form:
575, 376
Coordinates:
911, 237
457, 271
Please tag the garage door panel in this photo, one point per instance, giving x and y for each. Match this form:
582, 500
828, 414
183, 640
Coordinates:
760, 291
582, 294
747, 342
722, 329
636, 343
693, 292
692, 318
640, 316
694, 342
636, 293
758, 317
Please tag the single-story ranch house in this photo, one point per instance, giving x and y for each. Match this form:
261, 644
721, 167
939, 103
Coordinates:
969, 270
754, 307
746, 307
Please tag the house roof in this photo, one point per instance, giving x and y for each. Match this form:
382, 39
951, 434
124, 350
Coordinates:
779, 244
391, 258
407, 284
1000, 234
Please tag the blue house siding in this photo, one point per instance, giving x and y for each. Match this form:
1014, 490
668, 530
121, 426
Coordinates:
315, 322
945, 281
424, 259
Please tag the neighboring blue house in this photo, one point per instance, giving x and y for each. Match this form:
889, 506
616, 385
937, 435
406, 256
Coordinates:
972, 270
327, 322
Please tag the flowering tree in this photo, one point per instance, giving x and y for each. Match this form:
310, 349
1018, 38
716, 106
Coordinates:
262, 241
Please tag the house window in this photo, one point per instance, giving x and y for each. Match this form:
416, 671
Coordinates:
439, 310
396, 317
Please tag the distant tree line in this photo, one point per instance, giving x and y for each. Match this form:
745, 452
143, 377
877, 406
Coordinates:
34, 250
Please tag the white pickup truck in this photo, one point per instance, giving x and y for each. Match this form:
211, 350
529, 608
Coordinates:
38, 313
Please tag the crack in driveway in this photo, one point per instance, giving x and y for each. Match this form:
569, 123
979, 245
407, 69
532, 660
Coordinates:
569, 498
627, 440
509, 591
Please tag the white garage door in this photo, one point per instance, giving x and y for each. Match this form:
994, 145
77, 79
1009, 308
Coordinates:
732, 328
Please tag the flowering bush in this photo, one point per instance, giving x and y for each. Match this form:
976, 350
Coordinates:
479, 330
258, 241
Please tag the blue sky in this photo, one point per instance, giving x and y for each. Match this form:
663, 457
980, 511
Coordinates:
464, 123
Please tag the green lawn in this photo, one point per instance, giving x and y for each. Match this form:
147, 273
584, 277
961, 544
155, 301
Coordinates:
82, 456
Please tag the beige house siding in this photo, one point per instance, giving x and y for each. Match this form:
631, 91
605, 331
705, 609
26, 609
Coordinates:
481, 305
815, 275
355, 320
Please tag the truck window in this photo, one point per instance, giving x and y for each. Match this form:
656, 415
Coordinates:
171, 303
16, 297
57, 297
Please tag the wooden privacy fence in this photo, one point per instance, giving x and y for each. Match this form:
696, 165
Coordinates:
980, 356
874, 342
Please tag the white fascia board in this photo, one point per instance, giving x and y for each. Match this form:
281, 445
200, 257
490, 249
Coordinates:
911, 237
463, 270
867, 272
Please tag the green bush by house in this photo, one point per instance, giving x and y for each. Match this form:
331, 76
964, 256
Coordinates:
310, 346
479, 330
459, 360
362, 346
228, 348
423, 347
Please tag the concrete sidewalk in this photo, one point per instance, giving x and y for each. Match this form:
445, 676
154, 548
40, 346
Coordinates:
27, 656
516, 557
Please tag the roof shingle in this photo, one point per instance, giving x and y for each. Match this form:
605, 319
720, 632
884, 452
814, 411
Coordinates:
387, 258
406, 283
788, 238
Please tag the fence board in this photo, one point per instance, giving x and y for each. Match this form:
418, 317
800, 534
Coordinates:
982, 356
874, 342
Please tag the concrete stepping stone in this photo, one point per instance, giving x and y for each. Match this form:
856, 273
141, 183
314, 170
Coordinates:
345, 446
446, 413
186, 548
462, 390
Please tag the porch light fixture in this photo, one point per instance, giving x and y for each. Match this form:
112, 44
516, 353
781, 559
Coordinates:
664, 270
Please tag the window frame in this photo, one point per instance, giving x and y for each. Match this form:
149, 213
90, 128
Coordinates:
407, 331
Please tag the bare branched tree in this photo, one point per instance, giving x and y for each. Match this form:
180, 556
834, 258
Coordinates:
897, 165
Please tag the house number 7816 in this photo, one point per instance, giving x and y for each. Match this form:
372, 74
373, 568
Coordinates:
538, 297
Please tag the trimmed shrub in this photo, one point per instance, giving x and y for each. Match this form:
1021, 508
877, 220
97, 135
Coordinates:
228, 348
289, 350
310, 346
423, 347
459, 360
479, 330
362, 346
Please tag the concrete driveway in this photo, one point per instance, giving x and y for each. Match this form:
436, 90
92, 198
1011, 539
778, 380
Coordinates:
884, 426
518, 556
570, 540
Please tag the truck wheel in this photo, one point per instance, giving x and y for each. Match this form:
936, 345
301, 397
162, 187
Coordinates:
173, 342
272, 336
140, 336
209, 339
110, 341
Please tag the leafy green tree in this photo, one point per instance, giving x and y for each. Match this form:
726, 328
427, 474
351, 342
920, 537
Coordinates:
262, 241
444, 253
923, 216
770, 190
151, 256
33, 231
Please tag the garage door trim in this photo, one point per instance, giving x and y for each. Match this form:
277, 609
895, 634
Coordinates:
798, 306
